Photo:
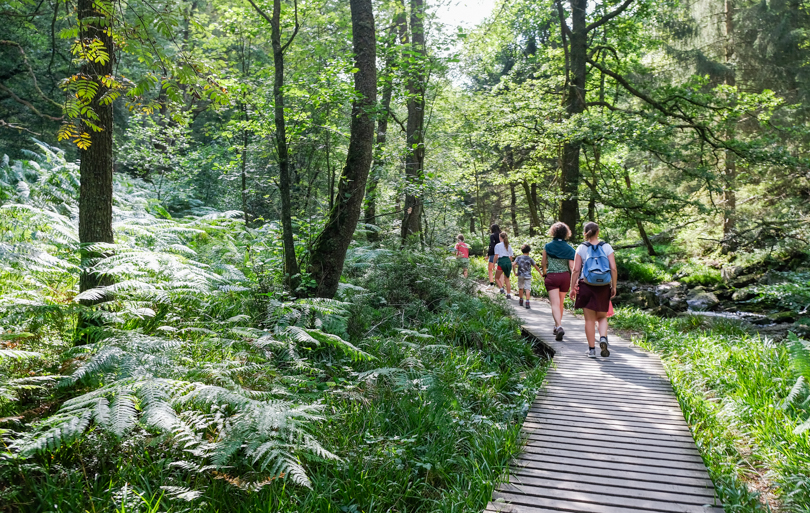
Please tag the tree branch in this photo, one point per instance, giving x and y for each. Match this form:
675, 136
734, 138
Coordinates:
609, 16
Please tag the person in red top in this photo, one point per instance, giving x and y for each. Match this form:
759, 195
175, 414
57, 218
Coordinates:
463, 254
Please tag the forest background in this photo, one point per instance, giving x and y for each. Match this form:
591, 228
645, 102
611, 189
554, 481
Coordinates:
225, 231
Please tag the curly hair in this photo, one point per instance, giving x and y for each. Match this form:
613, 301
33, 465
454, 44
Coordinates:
559, 231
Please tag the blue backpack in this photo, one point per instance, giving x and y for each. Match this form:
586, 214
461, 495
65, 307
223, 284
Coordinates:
596, 268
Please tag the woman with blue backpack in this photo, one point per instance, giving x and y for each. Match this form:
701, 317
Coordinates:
593, 285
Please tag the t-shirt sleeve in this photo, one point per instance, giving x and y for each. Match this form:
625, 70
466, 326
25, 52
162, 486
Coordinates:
608, 249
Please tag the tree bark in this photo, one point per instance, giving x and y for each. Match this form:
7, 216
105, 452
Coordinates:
730, 162
329, 250
291, 271
531, 200
96, 166
574, 104
370, 211
415, 157
513, 208
641, 231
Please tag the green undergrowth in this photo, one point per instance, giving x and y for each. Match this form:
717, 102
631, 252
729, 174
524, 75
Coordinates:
746, 400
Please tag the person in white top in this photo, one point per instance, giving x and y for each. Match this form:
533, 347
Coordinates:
594, 296
504, 256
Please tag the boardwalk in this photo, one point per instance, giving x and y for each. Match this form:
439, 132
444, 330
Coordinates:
605, 435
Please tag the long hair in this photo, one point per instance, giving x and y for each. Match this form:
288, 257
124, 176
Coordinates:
495, 229
505, 239
591, 229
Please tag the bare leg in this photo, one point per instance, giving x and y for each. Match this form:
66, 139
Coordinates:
490, 268
562, 306
498, 279
601, 319
528, 294
554, 298
590, 327
508, 284
520, 293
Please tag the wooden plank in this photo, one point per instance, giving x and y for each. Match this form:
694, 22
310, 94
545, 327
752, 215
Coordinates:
587, 436
609, 420
608, 414
523, 466
641, 460
615, 466
578, 401
607, 427
585, 431
589, 503
554, 402
611, 448
526, 485
609, 383
650, 446
660, 416
617, 480
598, 391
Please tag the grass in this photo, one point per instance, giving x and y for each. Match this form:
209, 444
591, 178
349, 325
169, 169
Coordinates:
427, 425
733, 388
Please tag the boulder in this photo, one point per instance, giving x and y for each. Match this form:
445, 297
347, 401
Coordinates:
731, 272
701, 300
772, 278
743, 281
724, 293
664, 311
744, 294
783, 317
644, 299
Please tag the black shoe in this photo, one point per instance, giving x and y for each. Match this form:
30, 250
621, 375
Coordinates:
520, 302
559, 332
603, 345
528, 306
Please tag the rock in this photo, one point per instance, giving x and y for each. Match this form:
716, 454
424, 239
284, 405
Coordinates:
783, 317
743, 281
724, 293
731, 272
643, 299
762, 321
744, 294
701, 300
664, 311
771, 278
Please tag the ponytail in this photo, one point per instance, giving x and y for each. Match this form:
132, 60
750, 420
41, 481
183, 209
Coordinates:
505, 239
591, 229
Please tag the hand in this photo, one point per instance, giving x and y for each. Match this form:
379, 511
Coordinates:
612, 291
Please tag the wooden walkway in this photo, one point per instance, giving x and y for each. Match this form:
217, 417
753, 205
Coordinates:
605, 435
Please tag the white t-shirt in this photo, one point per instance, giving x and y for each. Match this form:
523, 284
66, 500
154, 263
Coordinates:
583, 250
501, 251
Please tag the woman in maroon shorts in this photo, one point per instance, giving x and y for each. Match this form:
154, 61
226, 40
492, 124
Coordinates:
557, 263
594, 300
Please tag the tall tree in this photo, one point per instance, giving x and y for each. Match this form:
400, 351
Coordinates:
95, 47
414, 137
329, 250
398, 31
292, 275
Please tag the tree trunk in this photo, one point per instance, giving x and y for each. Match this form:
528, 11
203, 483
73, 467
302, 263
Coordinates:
730, 163
96, 166
245, 141
574, 104
291, 272
641, 231
399, 23
329, 249
531, 200
513, 208
415, 157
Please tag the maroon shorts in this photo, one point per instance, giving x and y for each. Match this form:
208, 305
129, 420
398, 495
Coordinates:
561, 281
596, 298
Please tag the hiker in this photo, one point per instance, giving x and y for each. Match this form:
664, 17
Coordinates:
524, 265
504, 256
462, 254
593, 285
557, 263
493, 241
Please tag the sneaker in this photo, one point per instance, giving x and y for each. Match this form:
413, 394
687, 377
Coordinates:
509, 296
559, 332
520, 302
592, 352
528, 306
503, 291
603, 345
